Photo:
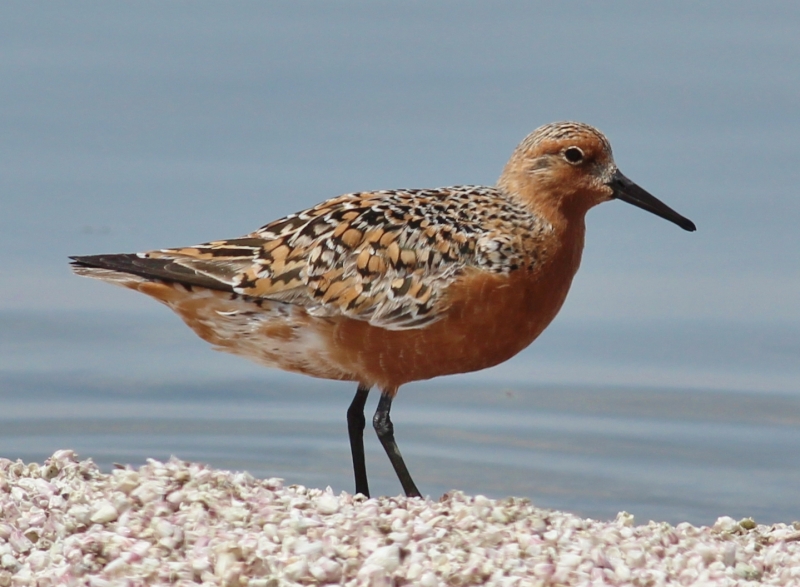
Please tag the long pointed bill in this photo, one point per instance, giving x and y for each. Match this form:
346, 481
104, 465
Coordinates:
627, 191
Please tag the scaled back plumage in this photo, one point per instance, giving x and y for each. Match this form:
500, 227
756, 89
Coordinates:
385, 257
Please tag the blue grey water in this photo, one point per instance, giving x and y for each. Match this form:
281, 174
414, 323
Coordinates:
669, 385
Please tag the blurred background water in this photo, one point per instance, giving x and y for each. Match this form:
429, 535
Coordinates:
669, 384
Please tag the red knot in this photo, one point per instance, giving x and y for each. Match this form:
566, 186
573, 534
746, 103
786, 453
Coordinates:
387, 287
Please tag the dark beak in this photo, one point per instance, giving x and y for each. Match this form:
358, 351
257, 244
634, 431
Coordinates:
627, 191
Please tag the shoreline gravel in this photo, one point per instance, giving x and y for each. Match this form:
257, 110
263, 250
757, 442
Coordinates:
65, 522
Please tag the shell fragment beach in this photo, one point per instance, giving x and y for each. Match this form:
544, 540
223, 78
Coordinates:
182, 523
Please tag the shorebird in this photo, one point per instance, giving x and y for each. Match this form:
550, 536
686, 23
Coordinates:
387, 287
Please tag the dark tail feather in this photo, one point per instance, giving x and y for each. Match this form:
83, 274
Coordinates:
156, 269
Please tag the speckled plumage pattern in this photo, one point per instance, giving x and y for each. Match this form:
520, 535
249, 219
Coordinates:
384, 257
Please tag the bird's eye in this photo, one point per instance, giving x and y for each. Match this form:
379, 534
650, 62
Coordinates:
573, 154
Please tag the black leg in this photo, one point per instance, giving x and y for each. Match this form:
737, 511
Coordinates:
355, 428
383, 426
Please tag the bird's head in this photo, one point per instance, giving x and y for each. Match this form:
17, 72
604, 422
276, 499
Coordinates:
564, 168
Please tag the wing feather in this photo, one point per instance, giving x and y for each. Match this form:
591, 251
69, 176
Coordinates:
383, 257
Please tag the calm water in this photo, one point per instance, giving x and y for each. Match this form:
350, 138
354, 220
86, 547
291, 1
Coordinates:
669, 385
97, 387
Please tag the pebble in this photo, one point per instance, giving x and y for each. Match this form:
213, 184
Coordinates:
104, 512
327, 504
184, 522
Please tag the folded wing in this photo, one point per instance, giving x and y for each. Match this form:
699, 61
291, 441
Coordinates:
382, 257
